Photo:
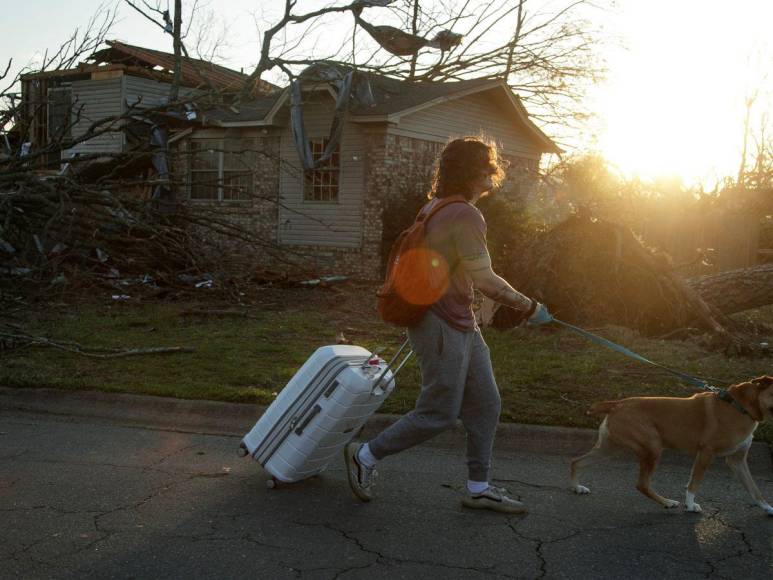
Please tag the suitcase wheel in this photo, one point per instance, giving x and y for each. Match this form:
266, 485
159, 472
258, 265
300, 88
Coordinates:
272, 483
243, 450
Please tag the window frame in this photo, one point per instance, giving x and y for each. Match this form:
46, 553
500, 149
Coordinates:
322, 184
220, 146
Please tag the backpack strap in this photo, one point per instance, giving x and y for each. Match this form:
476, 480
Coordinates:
425, 216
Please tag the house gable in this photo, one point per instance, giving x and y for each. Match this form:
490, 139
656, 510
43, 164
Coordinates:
490, 100
487, 113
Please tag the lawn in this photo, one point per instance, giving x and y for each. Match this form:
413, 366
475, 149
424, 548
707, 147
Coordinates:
247, 352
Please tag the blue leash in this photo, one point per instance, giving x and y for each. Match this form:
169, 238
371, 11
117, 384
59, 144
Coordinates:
700, 383
723, 394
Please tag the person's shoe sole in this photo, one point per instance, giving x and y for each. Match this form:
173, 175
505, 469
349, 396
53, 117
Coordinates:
351, 470
494, 507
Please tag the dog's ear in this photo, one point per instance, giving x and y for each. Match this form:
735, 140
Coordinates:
748, 396
764, 382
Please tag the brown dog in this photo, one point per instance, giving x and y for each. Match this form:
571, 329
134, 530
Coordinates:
702, 425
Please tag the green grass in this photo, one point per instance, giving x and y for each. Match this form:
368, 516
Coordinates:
546, 376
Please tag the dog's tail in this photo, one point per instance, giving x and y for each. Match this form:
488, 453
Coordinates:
602, 408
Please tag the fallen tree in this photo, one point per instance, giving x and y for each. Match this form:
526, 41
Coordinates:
593, 272
736, 290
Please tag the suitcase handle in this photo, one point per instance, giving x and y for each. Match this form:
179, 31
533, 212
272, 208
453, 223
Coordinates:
308, 419
405, 359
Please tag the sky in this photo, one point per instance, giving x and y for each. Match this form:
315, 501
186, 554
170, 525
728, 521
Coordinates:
674, 101
672, 104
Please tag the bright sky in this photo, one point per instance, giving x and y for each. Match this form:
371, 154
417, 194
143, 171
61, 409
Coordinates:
673, 103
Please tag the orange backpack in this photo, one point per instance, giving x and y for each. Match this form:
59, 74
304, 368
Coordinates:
416, 276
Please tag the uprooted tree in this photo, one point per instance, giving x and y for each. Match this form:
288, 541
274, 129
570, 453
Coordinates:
691, 263
594, 272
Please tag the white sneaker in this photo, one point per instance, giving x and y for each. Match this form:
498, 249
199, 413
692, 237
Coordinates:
360, 477
495, 499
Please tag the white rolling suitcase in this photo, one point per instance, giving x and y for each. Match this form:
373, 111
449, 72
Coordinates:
320, 410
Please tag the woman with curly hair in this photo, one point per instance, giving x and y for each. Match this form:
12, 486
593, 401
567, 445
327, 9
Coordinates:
455, 362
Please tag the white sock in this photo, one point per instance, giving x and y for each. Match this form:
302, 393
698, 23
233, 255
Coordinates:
365, 457
476, 486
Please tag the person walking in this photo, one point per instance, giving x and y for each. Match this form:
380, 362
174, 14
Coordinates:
455, 362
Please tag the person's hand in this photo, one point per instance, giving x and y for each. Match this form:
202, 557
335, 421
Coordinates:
539, 316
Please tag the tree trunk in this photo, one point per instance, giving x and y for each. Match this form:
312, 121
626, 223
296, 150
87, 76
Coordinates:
174, 91
736, 290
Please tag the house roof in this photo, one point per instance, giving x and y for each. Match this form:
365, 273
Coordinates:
193, 70
393, 96
376, 98
251, 112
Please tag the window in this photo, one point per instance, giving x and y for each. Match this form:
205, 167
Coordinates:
204, 174
222, 169
59, 118
321, 184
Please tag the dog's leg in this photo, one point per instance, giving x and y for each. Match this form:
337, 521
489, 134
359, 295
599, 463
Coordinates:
601, 450
648, 461
737, 462
699, 467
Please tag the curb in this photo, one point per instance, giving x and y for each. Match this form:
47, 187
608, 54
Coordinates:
235, 419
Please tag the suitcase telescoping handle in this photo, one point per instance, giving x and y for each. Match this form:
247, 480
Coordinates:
392, 362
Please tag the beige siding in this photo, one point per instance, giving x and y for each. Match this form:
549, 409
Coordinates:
486, 112
95, 100
313, 223
142, 92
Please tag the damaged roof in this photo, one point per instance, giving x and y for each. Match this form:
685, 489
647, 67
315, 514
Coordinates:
374, 98
391, 96
247, 112
194, 72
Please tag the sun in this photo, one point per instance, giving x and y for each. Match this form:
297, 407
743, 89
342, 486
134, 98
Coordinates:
674, 103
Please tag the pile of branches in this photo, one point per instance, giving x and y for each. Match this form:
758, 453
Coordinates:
593, 272
64, 230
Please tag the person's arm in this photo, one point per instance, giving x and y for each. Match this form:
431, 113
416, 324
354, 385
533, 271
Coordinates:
473, 253
478, 267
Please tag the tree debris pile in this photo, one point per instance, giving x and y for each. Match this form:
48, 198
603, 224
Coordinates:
592, 272
55, 230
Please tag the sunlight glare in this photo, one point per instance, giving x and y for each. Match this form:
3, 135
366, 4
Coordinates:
675, 103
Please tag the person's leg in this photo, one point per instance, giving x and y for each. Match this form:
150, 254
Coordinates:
443, 354
480, 411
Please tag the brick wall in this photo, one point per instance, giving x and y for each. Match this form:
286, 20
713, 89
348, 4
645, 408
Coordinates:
232, 250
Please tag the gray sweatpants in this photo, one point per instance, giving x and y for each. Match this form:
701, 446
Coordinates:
458, 382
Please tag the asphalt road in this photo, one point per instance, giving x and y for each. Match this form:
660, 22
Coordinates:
89, 497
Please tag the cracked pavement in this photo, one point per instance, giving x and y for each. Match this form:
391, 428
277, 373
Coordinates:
82, 497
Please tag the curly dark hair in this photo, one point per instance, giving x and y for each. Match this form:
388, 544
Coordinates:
463, 162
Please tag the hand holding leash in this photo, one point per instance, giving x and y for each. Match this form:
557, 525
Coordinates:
539, 316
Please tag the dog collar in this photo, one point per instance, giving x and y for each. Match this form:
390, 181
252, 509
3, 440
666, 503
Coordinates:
724, 395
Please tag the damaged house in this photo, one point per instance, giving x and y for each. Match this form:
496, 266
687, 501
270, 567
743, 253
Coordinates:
312, 168
315, 166
65, 104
